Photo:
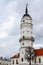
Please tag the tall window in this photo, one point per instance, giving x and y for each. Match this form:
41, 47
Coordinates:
22, 59
13, 61
16, 61
39, 60
35, 60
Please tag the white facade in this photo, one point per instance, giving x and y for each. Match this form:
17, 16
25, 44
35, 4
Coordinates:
15, 61
39, 60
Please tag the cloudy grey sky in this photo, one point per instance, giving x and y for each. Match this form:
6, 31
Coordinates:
11, 12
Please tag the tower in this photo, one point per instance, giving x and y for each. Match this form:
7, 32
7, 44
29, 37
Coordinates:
26, 38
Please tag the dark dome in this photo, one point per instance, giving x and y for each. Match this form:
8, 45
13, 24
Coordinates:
27, 15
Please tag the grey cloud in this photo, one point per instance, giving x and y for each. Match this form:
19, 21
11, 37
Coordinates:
36, 12
12, 46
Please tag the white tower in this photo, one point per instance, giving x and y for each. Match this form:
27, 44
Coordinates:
26, 38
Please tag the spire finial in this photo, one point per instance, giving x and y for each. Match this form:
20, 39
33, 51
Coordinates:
26, 9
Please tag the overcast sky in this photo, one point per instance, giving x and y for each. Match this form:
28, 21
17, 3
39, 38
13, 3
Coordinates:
11, 12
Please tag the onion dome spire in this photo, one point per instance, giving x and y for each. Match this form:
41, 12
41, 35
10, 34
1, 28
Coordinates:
26, 9
26, 13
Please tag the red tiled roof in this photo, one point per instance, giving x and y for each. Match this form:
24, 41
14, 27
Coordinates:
39, 52
15, 56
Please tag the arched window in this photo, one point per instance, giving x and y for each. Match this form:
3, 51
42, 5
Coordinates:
39, 60
22, 59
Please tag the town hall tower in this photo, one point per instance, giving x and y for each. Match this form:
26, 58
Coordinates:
26, 38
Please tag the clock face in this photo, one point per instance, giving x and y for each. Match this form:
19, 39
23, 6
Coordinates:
29, 52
